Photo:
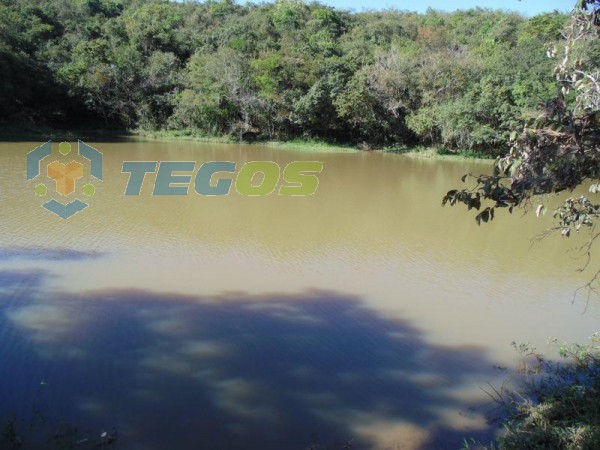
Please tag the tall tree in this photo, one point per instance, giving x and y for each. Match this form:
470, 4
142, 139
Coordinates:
560, 149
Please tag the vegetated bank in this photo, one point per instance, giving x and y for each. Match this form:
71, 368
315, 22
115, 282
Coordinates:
558, 408
280, 71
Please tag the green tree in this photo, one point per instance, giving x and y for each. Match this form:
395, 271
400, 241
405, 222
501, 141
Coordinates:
560, 149
221, 89
276, 70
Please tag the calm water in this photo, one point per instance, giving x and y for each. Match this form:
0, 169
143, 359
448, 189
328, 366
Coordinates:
366, 312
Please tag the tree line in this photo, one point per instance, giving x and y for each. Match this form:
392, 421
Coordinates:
281, 70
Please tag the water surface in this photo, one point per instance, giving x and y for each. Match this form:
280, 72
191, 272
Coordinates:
365, 313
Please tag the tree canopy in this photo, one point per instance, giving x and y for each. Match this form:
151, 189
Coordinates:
558, 150
278, 70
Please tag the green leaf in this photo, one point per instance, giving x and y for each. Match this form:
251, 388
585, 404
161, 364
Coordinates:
485, 215
515, 167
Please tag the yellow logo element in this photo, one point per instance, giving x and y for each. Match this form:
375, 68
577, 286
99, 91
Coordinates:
65, 175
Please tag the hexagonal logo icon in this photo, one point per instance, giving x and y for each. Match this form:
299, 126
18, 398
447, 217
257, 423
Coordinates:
64, 176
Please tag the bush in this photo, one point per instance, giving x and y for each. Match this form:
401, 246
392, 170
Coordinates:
560, 405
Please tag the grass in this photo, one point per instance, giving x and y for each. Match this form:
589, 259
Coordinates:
313, 145
43, 133
420, 151
309, 145
559, 408
180, 135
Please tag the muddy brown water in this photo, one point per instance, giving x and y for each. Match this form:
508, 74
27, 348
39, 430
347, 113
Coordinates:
366, 312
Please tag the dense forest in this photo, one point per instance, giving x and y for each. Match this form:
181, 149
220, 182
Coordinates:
280, 70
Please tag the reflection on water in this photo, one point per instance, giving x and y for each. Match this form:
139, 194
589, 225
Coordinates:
365, 312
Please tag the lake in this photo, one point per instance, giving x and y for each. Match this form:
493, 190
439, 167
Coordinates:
365, 313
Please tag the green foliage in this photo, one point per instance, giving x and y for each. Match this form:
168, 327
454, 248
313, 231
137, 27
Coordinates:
544, 26
559, 407
280, 70
560, 148
153, 26
287, 15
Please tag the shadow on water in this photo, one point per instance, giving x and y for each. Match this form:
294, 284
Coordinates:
230, 372
46, 254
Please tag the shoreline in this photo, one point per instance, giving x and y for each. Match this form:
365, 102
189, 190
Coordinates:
12, 134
